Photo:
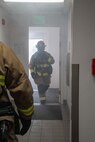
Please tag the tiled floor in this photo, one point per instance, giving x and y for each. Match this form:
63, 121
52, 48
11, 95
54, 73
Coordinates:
49, 130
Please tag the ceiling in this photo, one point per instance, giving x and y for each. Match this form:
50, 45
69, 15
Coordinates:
18, 8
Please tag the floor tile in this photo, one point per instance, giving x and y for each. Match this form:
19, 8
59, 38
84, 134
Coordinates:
48, 130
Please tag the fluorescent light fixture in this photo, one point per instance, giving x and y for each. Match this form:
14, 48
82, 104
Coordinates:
36, 1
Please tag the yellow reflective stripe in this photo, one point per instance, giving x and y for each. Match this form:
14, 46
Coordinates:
49, 59
43, 65
45, 74
28, 111
46, 65
39, 73
42, 98
2, 80
2, 77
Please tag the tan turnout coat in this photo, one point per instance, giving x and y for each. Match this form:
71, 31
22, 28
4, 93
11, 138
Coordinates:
13, 76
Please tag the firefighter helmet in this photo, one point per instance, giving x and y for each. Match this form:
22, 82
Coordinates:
40, 45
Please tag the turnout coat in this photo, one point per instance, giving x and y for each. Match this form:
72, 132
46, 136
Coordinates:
14, 78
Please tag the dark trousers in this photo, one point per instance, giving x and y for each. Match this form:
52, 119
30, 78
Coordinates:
42, 88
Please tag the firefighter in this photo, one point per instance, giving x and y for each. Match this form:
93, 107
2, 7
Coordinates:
14, 79
41, 69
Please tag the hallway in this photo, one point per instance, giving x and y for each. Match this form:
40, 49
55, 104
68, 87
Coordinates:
76, 20
49, 130
53, 126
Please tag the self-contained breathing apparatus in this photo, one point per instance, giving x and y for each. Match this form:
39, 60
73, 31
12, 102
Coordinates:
6, 109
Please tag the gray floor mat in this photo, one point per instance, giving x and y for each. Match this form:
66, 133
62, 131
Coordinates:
51, 97
47, 112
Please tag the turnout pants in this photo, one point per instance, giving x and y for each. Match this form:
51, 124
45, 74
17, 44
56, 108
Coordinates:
42, 90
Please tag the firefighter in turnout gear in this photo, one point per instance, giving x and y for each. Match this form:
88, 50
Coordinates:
41, 69
14, 79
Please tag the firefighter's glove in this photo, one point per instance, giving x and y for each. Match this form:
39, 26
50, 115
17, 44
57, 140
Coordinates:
25, 125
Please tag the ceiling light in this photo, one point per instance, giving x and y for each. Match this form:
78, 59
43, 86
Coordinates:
36, 1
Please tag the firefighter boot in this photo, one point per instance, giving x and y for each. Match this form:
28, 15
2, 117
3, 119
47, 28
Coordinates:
42, 98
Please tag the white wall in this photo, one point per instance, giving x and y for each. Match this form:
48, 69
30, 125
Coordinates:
69, 51
83, 52
66, 47
63, 52
4, 29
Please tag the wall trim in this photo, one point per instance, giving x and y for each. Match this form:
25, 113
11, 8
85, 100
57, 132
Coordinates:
75, 104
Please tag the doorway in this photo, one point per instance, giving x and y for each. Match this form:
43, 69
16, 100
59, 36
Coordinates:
50, 35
